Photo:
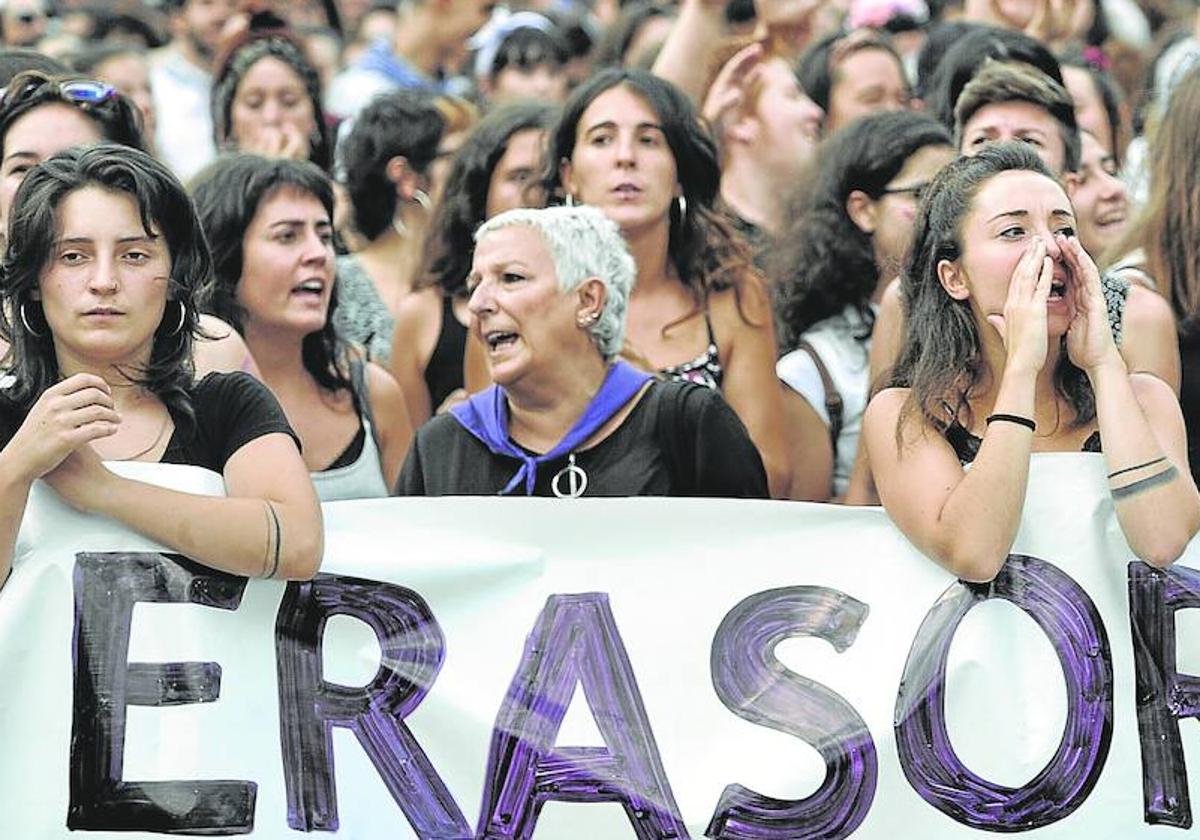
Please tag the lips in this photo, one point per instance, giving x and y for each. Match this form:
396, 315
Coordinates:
103, 311
498, 340
312, 287
628, 189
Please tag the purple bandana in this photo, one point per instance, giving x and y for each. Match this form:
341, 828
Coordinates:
485, 416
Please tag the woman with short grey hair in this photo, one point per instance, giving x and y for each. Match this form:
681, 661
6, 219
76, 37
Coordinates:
549, 293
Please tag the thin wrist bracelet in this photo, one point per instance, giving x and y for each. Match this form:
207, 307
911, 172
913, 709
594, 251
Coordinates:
1012, 418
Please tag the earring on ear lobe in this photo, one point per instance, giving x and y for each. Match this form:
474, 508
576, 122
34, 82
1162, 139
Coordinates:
25, 322
569, 200
422, 198
182, 317
682, 202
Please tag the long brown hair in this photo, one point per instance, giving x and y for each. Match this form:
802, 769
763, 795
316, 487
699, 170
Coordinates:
1168, 228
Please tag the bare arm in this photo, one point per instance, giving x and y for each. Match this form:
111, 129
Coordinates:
1151, 343
391, 417
810, 449
417, 322
224, 352
751, 388
967, 519
687, 54
887, 334
270, 523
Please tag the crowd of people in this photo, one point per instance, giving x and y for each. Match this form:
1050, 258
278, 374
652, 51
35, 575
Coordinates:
847, 251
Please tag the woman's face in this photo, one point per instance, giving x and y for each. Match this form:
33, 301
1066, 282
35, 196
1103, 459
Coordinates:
271, 109
515, 171
1089, 107
895, 211
129, 74
544, 82
526, 325
789, 121
1100, 198
287, 264
37, 135
1010, 212
621, 162
104, 287
868, 81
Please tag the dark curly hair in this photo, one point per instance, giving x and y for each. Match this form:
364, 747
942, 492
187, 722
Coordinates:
941, 360
268, 38
702, 247
405, 123
115, 115
165, 211
228, 194
824, 262
450, 243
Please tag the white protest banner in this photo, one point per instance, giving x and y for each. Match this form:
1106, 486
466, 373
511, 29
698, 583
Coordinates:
603, 669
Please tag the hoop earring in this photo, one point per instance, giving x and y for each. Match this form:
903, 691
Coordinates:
682, 202
182, 317
569, 201
25, 322
422, 198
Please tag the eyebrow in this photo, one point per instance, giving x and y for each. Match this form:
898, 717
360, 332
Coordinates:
613, 124
124, 240
1058, 213
11, 155
298, 223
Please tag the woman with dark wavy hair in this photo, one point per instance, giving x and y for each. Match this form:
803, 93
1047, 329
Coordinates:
1008, 351
269, 224
99, 299
845, 244
491, 173
631, 144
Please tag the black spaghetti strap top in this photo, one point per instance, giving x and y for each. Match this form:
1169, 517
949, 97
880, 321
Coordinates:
444, 373
966, 445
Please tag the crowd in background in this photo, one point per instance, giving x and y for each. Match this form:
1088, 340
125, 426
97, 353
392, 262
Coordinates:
781, 200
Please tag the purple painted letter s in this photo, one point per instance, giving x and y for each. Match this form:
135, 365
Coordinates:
1070, 620
575, 640
1164, 696
756, 686
413, 648
106, 588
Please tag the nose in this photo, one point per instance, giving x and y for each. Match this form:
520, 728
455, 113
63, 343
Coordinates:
1053, 248
1112, 188
103, 279
480, 301
317, 250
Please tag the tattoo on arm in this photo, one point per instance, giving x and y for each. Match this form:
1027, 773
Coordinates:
1140, 486
273, 545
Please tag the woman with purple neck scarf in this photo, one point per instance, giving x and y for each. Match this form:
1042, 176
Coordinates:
565, 417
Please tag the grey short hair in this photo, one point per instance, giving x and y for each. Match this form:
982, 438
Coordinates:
583, 243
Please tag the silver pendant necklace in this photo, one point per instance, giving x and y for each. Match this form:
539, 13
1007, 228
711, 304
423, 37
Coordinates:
577, 480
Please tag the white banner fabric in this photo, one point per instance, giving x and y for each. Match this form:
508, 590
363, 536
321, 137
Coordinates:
605, 658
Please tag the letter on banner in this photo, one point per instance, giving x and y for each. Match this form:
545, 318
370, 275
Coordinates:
575, 640
756, 686
1163, 695
413, 649
106, 588
1069, 618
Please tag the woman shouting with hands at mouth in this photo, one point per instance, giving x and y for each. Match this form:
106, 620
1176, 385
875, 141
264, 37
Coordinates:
1008, 351
99, 285
269, 223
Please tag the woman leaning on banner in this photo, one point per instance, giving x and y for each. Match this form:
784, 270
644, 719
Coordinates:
549, 293
1008, 351
98, 291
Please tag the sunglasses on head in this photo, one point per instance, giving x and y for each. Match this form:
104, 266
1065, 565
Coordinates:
79, 91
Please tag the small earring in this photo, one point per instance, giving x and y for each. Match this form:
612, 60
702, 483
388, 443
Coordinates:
682, 201
588, 320
25, 321
569, 200
182, 317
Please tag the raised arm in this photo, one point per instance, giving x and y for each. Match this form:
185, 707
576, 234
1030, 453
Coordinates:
687, 54
1141, 428
413, 342
967, 520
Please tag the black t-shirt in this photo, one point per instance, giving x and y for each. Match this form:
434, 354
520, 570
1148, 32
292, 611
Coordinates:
1189, 397
231, 410
681, 439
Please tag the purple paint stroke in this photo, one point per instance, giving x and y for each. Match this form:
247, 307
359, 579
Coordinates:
1164, 696
1070, 620
575, 640
413, 649
757, 687
107, 586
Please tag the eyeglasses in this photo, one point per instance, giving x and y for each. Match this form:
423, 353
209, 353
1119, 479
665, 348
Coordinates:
916, 191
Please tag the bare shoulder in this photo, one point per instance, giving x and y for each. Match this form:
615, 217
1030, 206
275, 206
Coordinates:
1152, 392
220, 349
1147, 308
748, 307
418, 306
381, 383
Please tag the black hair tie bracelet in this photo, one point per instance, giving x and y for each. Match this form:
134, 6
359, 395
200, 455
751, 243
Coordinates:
1013, 418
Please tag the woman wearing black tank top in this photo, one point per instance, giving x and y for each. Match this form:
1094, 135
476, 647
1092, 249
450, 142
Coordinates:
1008, 351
